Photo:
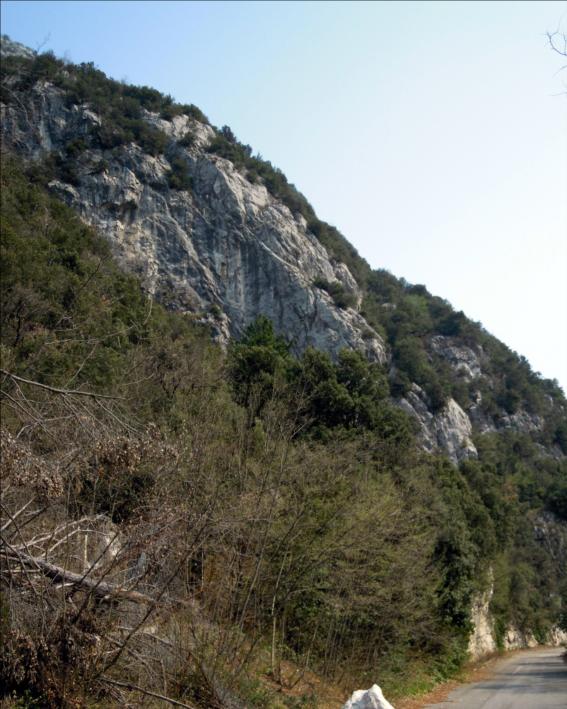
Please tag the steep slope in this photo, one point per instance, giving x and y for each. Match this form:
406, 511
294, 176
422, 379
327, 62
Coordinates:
214, 231
199, 234
300, 463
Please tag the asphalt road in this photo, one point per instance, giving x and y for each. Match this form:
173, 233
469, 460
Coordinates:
533, 680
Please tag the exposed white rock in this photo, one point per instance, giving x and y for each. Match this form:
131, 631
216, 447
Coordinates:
226, 243
179, 126
481, 640
100, 543
522, 421
454, 432
368, 699
9, 48
557, 637
450, 429
464, 360
515, 639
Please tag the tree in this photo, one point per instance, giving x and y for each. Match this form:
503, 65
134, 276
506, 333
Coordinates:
558, 43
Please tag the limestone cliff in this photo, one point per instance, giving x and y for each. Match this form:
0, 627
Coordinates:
209, 239
225, 245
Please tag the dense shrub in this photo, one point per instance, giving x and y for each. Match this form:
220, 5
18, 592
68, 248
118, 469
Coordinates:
341, 297
178, 177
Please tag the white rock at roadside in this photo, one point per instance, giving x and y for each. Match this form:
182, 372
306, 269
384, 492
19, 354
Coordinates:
368, 699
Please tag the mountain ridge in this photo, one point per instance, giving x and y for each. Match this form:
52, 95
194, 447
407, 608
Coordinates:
212, 229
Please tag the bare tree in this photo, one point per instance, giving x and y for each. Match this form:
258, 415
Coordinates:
558, 43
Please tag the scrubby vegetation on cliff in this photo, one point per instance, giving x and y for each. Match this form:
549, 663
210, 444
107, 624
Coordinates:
226, 518
407, 315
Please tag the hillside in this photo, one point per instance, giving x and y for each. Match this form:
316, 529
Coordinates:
285, 463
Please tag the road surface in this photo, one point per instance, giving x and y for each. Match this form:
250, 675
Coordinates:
533, 680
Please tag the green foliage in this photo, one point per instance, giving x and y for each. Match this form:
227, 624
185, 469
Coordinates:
516, 483
178, 177
411, 359
195, 113
119, 105
188, 140
411, 316
341, 297
348, 395
254, 364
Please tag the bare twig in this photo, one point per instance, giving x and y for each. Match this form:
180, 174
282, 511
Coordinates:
55, 390
15, 516
136, 688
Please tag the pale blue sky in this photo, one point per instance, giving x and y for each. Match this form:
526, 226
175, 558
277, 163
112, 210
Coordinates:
432, 134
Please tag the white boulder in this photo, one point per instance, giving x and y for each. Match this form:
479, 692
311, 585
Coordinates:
368, 699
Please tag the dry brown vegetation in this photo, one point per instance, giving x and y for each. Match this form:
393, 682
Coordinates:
132, 565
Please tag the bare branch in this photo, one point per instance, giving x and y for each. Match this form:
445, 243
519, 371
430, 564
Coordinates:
553, 42
135, 688
55, 390
101, 589
15, 516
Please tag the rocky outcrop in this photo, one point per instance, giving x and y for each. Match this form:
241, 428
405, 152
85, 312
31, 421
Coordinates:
9, 48
225, 244
449, 429
372, 698
482, 641
515, 639
558, 637
465, 361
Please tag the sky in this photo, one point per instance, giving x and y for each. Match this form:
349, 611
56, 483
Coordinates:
432, 134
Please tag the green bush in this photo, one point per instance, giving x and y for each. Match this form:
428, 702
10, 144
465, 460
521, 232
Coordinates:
341, 297
178, 177
188, 140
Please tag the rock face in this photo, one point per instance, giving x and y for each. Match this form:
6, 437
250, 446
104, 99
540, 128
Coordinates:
464, 360
224, 244
224, 249
450, 429
368, 699
515, 639
9, 48
482, 641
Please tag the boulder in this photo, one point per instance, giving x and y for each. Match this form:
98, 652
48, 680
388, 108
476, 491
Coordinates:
368, 699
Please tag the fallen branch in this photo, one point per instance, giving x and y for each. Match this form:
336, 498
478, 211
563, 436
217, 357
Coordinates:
135, 688
102, 589
55, 390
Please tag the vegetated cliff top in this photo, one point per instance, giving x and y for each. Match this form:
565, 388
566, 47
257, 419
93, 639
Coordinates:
214, 229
